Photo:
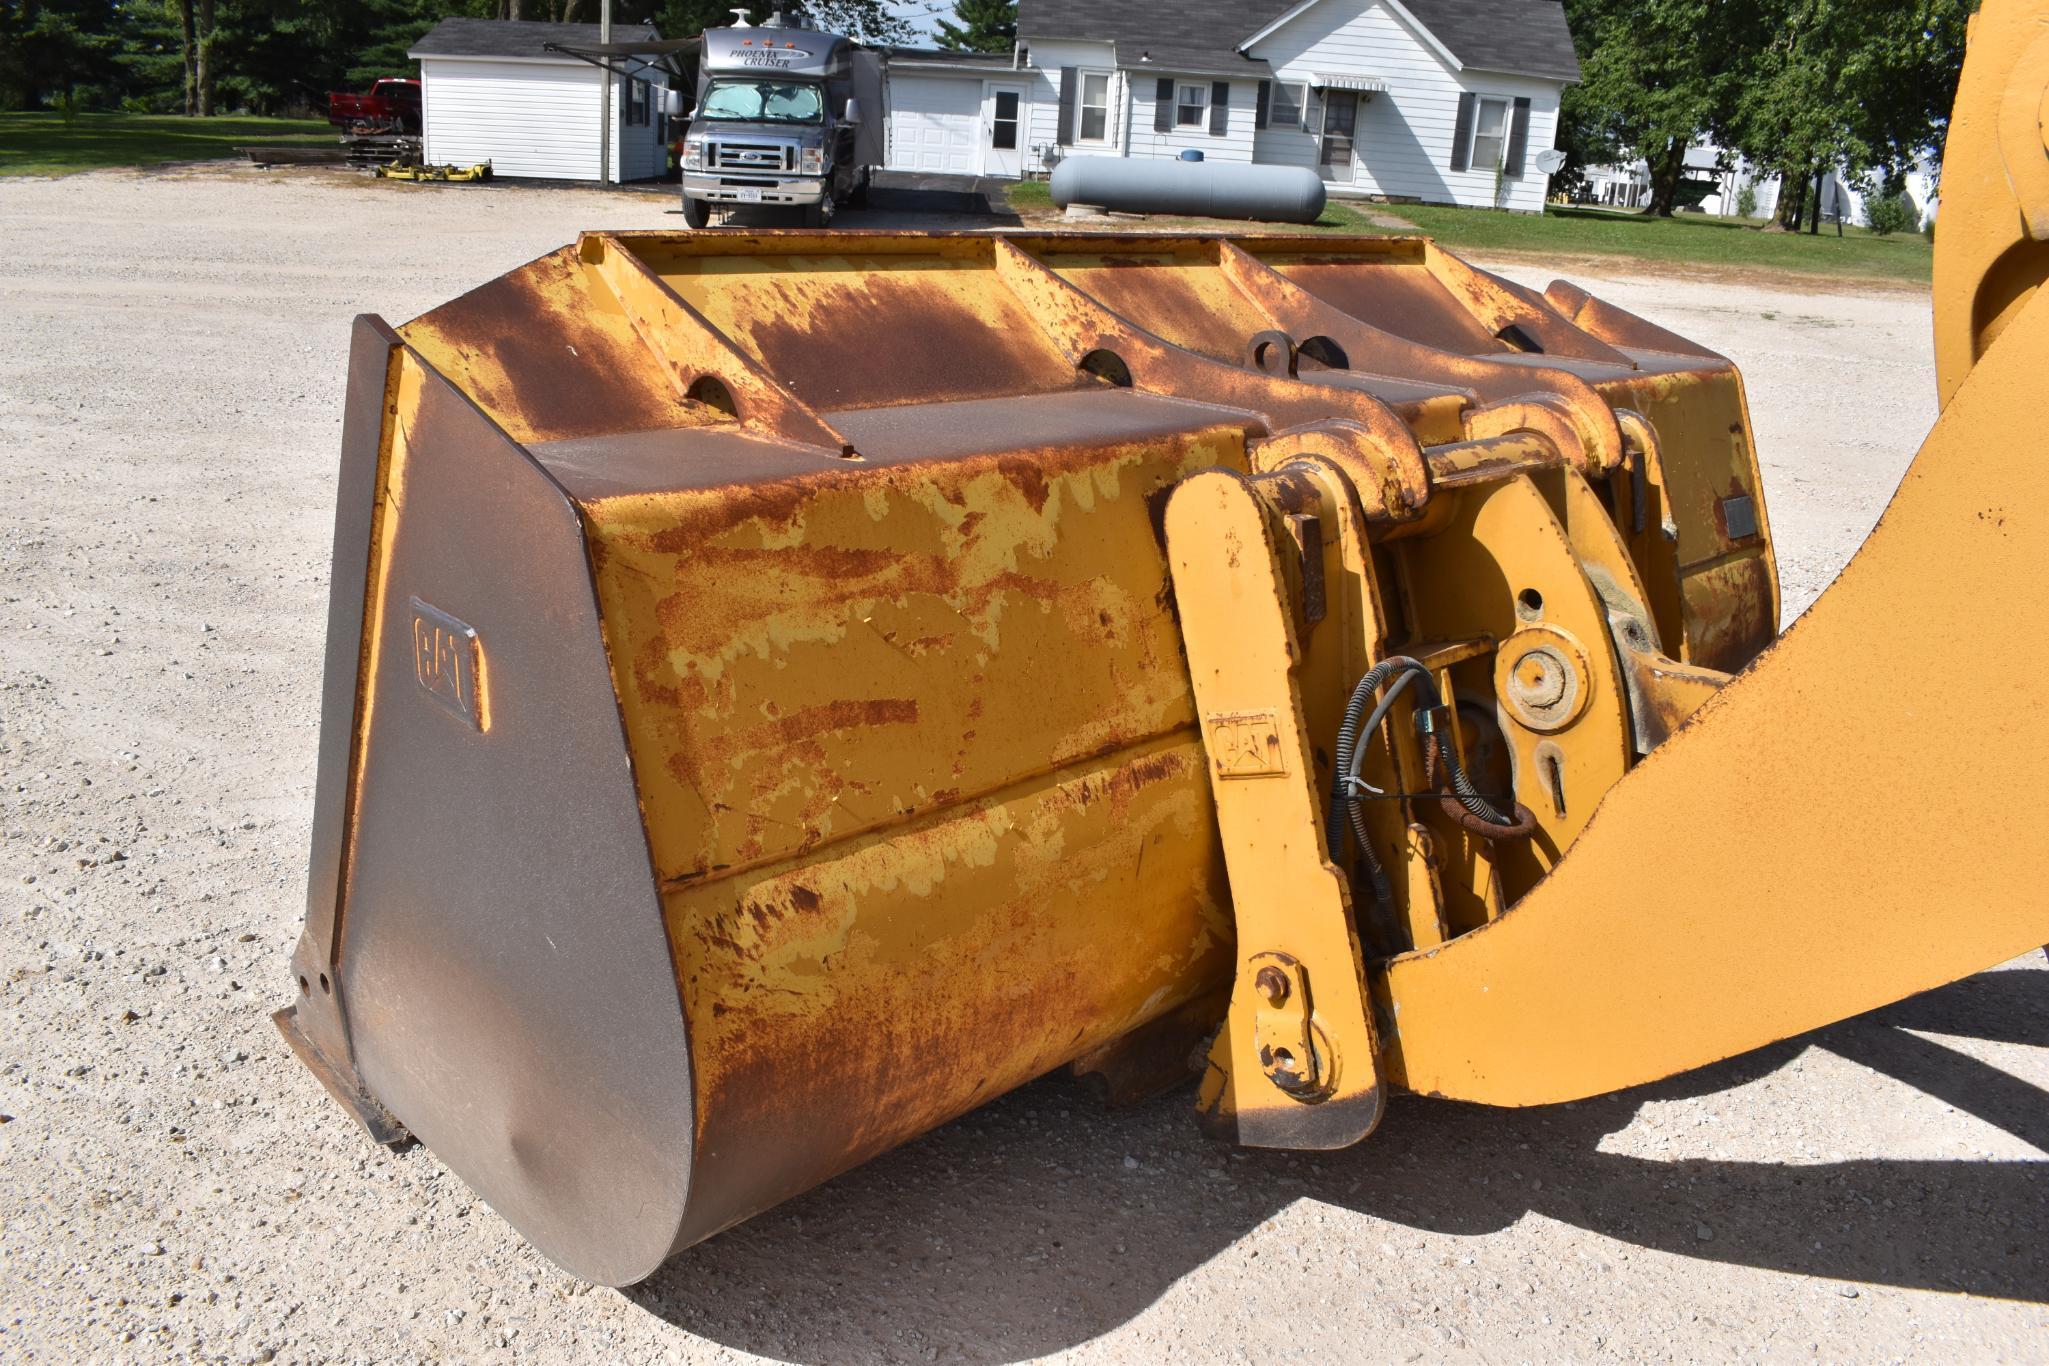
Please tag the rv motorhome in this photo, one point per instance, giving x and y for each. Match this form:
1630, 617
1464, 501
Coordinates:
784, 116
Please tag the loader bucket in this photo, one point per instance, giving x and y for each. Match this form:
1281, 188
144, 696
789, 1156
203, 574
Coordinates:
784, 690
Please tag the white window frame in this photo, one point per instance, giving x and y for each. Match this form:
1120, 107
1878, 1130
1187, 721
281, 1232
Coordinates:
1183, 106
1473, 161
1082, 105
1301, 104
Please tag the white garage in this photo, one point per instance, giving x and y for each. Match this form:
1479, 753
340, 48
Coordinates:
502, 91
935, 124
957, 113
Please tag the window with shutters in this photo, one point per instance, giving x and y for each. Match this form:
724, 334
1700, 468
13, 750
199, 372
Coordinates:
1288, 99
1191, 108
1490, 134
1094, 125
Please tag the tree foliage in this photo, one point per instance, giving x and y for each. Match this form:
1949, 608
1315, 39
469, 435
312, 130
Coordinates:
980, 26
872, 21
1660, 75
1797, 86
1886, 214
284, 56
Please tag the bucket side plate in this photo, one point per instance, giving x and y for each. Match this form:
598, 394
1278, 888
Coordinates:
511, 996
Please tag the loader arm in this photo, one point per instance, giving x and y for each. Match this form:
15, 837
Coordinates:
1870, 776
1870, 772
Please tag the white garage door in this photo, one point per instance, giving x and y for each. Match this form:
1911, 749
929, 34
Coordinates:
935, 124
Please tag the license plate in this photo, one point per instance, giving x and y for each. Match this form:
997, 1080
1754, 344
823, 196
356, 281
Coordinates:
748, 195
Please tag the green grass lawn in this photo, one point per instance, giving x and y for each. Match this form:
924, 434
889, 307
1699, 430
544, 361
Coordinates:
1726, 243
45, 143
1721, 243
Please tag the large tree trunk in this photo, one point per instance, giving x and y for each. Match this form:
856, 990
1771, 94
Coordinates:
203, 76
1792, 199
1814, 222
1666, 173
190, 49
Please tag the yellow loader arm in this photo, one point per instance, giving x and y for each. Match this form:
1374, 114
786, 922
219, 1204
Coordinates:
785, 689
1869, 837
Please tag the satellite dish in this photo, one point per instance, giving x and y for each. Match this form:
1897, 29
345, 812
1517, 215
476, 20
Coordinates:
1550, 161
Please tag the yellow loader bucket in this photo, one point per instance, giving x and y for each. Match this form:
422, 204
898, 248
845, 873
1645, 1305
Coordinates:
786, 689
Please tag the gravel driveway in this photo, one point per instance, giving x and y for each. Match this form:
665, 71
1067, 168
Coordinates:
172, 1183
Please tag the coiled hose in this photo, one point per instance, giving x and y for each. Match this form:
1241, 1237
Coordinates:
1462, 801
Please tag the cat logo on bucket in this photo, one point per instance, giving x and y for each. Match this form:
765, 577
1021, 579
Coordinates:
448, 661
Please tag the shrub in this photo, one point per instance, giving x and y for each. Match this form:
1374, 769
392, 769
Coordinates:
1888, 214
1746, 202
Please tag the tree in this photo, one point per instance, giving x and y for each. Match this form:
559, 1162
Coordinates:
688, 18
1586, 136
1657, 76
1855, 86
59, 51
187, 35
871, 21
150, 58
980, 26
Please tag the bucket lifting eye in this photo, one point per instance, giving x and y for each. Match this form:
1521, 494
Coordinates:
1271, 352
1323, 352
1515, 339
712, 392
1108, 366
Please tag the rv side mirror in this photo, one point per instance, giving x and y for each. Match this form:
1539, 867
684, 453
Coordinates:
853, 114
672, 101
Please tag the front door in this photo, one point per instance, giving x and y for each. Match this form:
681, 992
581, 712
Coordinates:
1340, 121
1003, 131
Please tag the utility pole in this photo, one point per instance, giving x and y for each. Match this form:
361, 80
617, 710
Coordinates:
605, 96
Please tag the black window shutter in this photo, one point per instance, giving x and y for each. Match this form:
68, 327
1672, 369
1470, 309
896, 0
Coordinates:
1219, 107
1462, 135
1263, 104
1163, 105
1068, 81
1518, 136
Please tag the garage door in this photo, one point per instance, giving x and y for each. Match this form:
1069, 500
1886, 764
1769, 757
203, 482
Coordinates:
935, 124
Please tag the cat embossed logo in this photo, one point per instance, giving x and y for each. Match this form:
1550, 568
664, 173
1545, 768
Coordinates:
448, 661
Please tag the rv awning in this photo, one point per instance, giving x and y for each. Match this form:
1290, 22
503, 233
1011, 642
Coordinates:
1325, 81
646, 47
632, 58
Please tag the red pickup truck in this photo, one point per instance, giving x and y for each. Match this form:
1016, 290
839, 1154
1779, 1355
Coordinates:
391, 107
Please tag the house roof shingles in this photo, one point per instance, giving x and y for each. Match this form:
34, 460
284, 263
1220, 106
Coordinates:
512, 38
1188, 35
1522, 37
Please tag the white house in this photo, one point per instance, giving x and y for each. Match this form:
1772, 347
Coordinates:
1841, 196
1444, 101
503, 91
1628, 186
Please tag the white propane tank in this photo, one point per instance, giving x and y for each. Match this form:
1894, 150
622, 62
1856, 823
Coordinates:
1210, 189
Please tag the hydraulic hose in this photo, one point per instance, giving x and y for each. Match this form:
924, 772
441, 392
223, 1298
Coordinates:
1461, 800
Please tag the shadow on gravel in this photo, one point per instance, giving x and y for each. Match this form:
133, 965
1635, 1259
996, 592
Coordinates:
1021, 1229
903, 199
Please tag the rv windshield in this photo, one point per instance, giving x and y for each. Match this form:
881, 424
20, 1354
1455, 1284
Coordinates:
747, 101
